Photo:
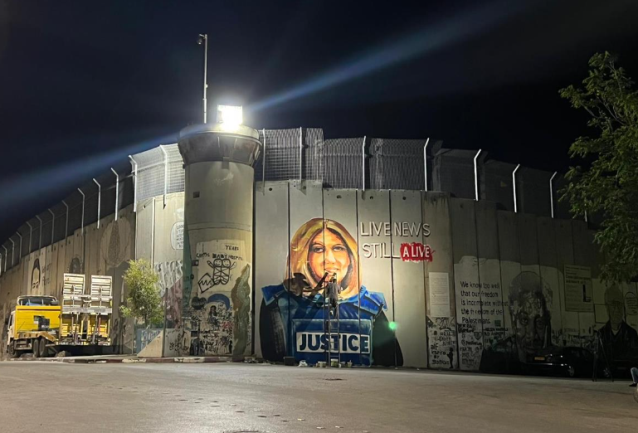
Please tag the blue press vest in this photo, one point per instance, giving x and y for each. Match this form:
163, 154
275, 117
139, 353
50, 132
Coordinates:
303, 321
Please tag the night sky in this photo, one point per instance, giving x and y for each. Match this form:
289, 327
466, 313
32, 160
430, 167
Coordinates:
85, 83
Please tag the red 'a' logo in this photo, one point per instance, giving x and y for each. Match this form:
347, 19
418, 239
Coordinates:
416, 252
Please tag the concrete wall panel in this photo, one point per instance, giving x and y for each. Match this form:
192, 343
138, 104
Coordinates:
115, 248
489, 266
168, 244
271, 252
533, 329
25, 266
49, 264
168, 253
586, 254
439, 278
565, 250
92, 236
52, 270
60, 267
340, 205
144, 229
467, 285
305, 206
375, 251
27, 274
408, 277
549, 272
509, 248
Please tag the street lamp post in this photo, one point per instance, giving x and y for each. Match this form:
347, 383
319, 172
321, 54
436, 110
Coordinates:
203, 38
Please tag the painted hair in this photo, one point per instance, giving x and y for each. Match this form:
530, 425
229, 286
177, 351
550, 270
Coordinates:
530, 284
300, 250
36, 265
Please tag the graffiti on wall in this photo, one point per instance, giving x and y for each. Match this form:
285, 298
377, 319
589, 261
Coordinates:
442, 347
144, 337
171, 289
177, 231
294, 314
220, 301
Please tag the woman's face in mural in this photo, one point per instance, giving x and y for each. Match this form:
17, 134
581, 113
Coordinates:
35, 279
328, 252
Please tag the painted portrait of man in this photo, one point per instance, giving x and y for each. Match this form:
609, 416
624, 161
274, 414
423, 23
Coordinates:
619, 340
294, 313
530, 302
530, 305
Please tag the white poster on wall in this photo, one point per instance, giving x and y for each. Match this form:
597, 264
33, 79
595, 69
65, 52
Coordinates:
439, 294
177, 236
578, 289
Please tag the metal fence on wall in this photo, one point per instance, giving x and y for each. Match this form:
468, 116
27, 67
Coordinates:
397, 164
84, 206
303, 153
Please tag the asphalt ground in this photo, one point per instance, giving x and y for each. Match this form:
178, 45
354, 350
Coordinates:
229, 397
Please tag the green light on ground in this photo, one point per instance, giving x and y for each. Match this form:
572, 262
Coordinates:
393, 326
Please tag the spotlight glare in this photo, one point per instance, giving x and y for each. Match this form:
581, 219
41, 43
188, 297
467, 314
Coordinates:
230, 116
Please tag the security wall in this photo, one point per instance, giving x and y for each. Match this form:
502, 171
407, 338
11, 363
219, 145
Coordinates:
103, 250
426, 280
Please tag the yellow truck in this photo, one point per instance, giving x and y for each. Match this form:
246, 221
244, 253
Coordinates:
43, 326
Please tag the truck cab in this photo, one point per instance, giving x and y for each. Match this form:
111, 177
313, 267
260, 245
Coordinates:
33, 325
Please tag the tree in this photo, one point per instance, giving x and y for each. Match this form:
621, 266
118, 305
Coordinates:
606, 183
143, 301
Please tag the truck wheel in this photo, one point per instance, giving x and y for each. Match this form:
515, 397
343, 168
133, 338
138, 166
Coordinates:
44, 350
36, 348
11, 350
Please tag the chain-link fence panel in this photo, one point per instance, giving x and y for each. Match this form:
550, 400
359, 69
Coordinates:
313, 160
175, 169
343, 163
281, 153
150, 173
453, 172
397, 164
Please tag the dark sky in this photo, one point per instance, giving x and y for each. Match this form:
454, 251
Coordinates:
84, 83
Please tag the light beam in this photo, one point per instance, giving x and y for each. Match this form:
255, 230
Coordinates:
434, 37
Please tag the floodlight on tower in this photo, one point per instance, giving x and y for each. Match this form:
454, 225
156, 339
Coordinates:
230, 117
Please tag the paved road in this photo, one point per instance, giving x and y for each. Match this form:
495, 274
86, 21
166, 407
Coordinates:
193, 398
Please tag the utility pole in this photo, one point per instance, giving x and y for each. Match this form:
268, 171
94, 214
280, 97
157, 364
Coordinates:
203, 38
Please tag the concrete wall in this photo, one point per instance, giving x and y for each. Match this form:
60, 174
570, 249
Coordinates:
103, 251
495, 288
428, 280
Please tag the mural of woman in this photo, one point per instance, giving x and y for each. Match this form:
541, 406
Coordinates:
292, 313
